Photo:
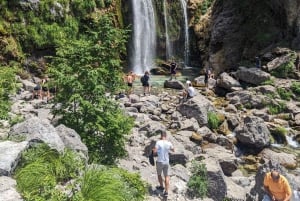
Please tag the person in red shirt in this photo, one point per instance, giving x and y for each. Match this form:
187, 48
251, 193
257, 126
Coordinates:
277, 187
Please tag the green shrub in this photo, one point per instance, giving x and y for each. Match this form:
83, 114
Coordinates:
7, 87
42, 168
213, 120
284, 94
198, 181
15, 120
113, 184
296, 88
284, 71
268, 82
277, 108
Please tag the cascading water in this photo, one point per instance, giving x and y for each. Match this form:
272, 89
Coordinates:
144, 36
186, 33
169, 52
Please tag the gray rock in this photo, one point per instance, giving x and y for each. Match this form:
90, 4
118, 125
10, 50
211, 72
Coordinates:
227, 82
275, 63
38, 129
284, 159
173, 84
252, 75
189, 124
196, 107
71, 139
253, 133
153, 128
217, 188
10, 154
8, 190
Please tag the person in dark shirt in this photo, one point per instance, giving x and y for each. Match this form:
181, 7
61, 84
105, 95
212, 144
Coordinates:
173, 67
145, 83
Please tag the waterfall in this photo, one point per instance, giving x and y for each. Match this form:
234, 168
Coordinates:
169, 52
144, 36
186, 33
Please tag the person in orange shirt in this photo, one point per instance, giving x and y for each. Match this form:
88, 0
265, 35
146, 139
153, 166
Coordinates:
277, 187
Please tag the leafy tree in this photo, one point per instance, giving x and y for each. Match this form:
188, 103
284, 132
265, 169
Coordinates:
86, 71
7, 86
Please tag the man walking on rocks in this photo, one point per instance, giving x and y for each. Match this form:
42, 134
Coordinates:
162, 148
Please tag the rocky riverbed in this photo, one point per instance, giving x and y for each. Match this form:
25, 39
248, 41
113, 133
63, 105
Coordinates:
236, 153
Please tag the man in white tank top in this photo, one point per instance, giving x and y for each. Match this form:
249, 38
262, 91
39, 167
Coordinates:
162, 148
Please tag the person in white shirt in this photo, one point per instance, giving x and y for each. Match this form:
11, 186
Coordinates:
162, 148
189, 92
188, 82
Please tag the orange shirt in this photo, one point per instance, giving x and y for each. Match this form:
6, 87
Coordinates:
279, 189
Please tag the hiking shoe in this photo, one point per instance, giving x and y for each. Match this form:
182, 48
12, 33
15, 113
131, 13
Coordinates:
165, 194
160, 188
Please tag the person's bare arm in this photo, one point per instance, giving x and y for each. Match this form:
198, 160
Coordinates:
288, 197
269, 192
154, 150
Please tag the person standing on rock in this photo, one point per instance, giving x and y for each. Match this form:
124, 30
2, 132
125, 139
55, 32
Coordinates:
277, 187
129, 80
145, 82
162, 148
173, 67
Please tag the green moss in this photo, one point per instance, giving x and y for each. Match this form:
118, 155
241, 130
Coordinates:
284, 94
279, 134
296, 88
276, 108
284, 71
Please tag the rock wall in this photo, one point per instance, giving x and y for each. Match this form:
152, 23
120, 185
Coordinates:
235, 31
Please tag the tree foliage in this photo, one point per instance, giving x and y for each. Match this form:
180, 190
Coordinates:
86, 71
7, 86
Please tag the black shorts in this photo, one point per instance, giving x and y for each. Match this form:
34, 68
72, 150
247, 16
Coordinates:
129, 84
146, 84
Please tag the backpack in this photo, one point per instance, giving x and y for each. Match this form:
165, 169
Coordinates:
151, 158
143, 79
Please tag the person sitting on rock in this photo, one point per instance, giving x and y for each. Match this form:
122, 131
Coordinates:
277, 187
37, 93
189, 92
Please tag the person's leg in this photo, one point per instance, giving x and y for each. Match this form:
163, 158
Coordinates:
167, 178
266, 198
149, 89
159, 169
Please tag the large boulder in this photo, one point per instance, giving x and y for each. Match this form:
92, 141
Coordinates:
287, 160
227, 82
174, 84
277, 62
71, 139
10, 154
196, 107
252, 75
36, 129
217, 188
253, 133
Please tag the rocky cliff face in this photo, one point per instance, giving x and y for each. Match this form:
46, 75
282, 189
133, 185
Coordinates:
231, 32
